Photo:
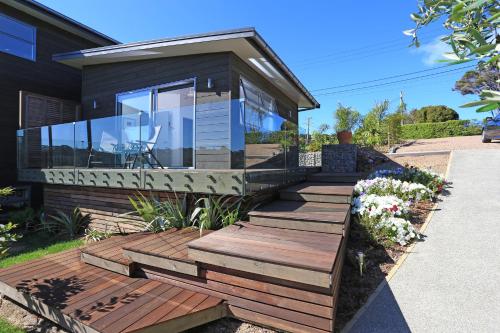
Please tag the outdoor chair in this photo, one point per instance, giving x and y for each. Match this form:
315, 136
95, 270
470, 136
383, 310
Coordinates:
108, 145
145, 150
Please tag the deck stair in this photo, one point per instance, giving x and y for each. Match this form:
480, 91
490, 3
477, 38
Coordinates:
328, 177
280, 269
318, 192
108, 253
293, 255
299, 215
167, 250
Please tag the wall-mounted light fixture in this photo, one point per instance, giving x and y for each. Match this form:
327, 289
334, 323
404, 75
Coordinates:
210, 83
94, 104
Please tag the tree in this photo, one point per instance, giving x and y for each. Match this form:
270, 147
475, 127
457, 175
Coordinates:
346, 118
472, 26
435, 114
486, 76
371, 132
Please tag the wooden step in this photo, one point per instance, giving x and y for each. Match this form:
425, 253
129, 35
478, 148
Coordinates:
324, 177
166, 250
108, 254
293, 255
300, 215
318, 192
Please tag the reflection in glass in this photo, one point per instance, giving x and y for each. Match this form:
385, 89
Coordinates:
33, 148
171, 131
62, 145
167, 124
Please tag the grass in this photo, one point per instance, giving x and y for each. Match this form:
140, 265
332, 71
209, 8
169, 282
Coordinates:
6, 327
33, 246
37, 246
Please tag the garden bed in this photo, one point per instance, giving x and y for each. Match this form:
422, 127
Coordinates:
380, 249
355, 289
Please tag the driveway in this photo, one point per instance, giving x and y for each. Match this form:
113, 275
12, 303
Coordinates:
451, 143
451, 281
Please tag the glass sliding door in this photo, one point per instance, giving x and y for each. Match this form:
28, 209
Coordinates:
174, 113
167, 123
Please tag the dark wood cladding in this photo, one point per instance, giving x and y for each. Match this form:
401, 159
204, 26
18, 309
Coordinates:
102, 82
104, 205
42, 76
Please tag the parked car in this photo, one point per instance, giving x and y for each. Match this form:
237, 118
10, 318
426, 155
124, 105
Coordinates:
491, 129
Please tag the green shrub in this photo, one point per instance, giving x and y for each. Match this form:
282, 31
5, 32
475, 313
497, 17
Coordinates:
158, 215
439, 130
67, 225
435, 114
346, 118
212, 212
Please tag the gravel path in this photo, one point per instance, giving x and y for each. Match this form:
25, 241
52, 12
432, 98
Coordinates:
450, 281
453, 143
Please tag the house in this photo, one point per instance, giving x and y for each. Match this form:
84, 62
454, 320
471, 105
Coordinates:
30, 34
210, 113
214, 113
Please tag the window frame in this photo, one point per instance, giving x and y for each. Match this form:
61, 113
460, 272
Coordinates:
32, 43
153, 95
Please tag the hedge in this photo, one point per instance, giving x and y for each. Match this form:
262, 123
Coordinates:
439, 130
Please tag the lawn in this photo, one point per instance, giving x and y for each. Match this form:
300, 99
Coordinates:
37, 245
6, 327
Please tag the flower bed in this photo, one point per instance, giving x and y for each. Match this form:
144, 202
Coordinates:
389, 208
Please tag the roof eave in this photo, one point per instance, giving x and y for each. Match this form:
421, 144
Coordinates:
62, 21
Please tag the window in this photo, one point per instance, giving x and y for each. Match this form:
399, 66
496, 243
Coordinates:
167, 120
17, 38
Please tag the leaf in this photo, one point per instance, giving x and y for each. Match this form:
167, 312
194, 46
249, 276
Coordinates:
415, 17
477, 36
483, 49
409, 32
489, 107
478, 103
476, 4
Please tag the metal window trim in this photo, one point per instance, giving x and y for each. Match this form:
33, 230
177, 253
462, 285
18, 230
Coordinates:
32, 43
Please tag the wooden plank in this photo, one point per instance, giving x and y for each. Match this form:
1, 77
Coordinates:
166, 263
165, 300
188, 321
284, 313
108, 264
266, 320
301, 275
45, 310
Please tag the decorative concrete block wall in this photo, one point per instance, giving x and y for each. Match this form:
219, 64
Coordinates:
339, 158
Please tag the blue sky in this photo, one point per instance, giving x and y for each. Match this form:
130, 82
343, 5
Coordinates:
325, 43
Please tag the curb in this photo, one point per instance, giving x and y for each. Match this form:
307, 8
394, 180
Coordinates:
421, 153
396, 267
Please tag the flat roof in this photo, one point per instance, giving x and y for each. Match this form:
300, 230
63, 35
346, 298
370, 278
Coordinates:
62, 21
244, 42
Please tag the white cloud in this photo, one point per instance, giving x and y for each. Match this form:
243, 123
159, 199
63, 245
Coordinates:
433, 51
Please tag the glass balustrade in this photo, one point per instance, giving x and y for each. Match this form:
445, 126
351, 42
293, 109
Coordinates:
247, 134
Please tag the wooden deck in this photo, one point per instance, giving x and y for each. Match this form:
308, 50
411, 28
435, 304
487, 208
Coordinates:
84, 298
293, 255
282, 269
